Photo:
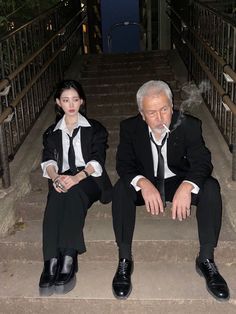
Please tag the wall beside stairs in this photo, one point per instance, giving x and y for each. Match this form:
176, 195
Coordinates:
26, 160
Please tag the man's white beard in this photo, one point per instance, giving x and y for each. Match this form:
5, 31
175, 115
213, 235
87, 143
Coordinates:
161, 129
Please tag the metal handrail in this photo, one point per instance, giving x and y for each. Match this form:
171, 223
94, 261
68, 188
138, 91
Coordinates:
214, 11
221, 91
206, 59
45, 13
33, 79
5, 82
13, 105
227, 68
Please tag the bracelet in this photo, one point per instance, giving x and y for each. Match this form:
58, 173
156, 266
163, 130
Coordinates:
57, 177
85, 172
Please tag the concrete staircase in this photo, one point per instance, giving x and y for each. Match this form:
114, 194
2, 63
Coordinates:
164, 279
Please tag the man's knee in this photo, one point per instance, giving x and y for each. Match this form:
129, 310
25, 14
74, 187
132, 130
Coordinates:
123, 192
118, 188
211, 185
210, 194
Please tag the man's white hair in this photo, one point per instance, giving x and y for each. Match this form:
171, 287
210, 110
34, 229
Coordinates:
153, 88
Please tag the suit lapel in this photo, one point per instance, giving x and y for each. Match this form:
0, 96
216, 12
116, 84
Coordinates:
86, 134
143, 146
59, 152
174, 137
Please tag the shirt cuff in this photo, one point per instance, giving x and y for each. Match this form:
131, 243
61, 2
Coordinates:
195, 189
97, 168
135, 181
44, 166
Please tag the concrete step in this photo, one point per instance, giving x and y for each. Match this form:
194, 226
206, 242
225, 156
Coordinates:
112, 122
128, 71
160, 237
124, 57
125, 79
115, 109
95, 108
96, 98
127, 93
158, 63
122, 77
182, 291
112, 99
119, 57
113, 137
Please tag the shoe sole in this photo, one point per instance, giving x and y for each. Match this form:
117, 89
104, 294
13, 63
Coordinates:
46, 292
63, 289
198, 270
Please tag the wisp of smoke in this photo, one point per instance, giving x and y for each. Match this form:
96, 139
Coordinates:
193, 94
193, 98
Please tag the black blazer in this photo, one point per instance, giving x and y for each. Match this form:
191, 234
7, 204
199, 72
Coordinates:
93, 145
187, 155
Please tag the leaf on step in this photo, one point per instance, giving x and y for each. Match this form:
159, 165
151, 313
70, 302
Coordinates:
20, 225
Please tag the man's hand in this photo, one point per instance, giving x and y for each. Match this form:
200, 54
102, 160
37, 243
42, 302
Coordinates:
182, 201
151, 196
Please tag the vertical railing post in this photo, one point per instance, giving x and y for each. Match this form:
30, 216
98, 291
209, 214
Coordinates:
31, 62
4, 158
234, 150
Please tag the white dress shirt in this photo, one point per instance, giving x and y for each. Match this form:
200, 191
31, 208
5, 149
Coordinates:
79, 160
168, 172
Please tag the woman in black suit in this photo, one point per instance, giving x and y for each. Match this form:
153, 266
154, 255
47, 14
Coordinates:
73, 160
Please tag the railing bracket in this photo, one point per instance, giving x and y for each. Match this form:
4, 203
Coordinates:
5, 91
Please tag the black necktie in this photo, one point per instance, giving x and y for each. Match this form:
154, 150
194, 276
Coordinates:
71, 152
160, 178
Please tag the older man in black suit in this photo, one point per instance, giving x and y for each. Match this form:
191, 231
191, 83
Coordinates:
162, 157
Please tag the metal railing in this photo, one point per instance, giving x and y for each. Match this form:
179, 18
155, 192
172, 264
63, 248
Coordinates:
206, 41
32, 60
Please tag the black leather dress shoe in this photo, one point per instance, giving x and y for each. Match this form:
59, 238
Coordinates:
216, 285
48, 277
66, 278
121, 284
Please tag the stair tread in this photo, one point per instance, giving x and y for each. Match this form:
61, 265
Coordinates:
150, 281
97, 229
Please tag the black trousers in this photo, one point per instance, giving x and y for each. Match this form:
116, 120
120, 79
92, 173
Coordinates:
64, 217
208, 202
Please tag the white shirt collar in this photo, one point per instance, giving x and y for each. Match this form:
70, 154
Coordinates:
82, 122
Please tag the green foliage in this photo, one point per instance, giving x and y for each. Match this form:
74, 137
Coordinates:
17, 12
3, 21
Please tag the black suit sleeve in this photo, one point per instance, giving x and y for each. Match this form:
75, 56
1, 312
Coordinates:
98, 143
49, 147
126, 159
197, 154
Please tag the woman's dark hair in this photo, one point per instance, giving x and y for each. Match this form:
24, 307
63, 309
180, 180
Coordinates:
67, 84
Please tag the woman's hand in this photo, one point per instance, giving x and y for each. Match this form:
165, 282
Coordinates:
69, 181
58, 184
